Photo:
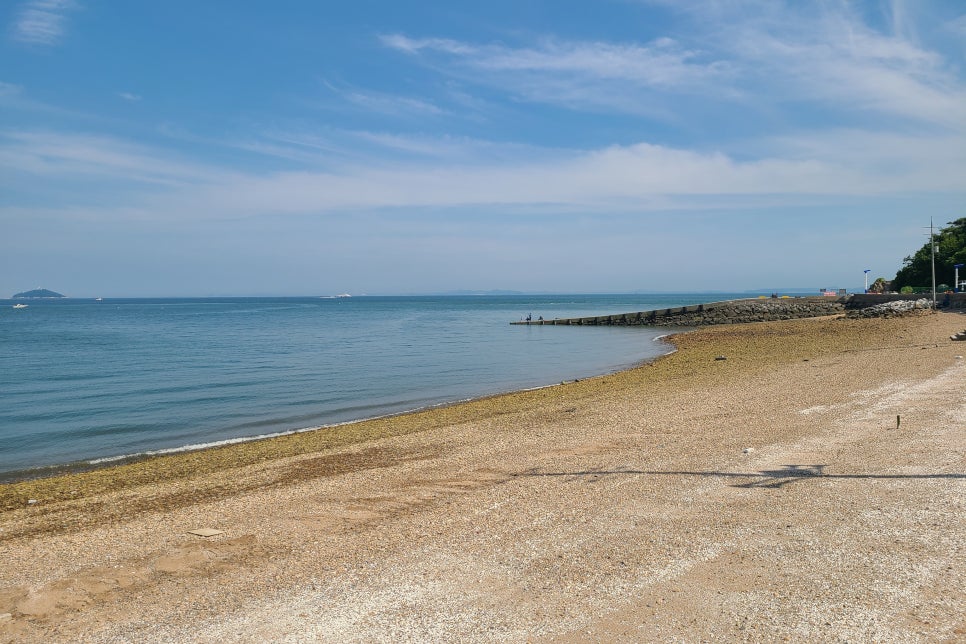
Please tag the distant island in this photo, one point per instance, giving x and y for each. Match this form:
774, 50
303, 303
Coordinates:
37, 293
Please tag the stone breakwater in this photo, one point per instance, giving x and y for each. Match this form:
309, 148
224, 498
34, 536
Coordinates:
892, 309
729, 312
741, 311
768, 310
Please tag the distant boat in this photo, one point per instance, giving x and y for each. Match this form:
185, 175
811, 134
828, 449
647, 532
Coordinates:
343, 295
98, 299
20, 306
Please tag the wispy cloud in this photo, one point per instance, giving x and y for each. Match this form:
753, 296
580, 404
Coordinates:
384, 103
781, 58
632, 178
128, 96
957, 26
337, 148
8, 90
96, 158
17, 98
662, 63
759, 55
576, 74
42, 22
414, 45
835, 60
447, 148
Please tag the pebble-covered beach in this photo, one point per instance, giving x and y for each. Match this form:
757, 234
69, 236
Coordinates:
801, 480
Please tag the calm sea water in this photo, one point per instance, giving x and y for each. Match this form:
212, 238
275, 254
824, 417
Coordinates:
83, 380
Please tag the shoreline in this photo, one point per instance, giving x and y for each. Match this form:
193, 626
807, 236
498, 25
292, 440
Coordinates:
92, 465
256, 415
687, 498
137, 469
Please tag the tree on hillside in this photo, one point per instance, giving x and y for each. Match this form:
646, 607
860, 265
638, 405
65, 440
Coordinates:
878, 286
917, 269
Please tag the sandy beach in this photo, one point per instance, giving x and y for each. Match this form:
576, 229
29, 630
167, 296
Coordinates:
785, 481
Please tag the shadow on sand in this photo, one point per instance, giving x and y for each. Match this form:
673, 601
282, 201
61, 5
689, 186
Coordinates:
761, 479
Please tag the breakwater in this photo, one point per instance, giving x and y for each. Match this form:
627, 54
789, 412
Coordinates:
751, 310
727, 312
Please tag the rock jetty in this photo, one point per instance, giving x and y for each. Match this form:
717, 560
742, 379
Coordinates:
897, 308
713, 313
759, 310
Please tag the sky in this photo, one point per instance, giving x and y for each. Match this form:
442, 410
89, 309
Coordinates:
379, 147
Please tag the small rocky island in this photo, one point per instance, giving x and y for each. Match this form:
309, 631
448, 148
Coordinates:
36, 294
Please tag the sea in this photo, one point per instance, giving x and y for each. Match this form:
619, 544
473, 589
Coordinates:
85, 382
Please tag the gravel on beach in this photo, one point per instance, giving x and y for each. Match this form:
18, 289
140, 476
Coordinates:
801, 480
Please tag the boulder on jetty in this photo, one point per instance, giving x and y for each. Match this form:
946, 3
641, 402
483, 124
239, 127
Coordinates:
894, 309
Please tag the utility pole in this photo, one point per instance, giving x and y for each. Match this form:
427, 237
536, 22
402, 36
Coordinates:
932, 245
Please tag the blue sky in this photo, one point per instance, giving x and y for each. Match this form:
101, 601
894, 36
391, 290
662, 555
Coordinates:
297, 147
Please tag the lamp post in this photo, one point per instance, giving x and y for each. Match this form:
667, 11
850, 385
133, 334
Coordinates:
867, 279
956, 279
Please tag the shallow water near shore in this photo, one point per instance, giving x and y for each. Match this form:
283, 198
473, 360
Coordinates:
85, 380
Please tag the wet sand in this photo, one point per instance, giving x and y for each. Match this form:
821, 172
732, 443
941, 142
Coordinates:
810, 486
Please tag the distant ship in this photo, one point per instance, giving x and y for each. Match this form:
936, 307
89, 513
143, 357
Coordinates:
343, 295
20, 306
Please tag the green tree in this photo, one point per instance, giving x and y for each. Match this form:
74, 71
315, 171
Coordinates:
878, 286
917, 269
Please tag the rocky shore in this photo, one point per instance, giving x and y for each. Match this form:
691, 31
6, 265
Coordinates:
801, 480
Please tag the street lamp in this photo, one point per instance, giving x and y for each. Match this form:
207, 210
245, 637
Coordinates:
956, 279
867, 279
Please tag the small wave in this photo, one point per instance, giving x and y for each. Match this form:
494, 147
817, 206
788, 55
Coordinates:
197, 446
247, 439
221, 443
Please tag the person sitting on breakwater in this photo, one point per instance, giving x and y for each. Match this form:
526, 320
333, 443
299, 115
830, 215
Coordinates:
529, 317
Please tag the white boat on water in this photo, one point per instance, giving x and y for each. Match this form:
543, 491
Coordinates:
20, 306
